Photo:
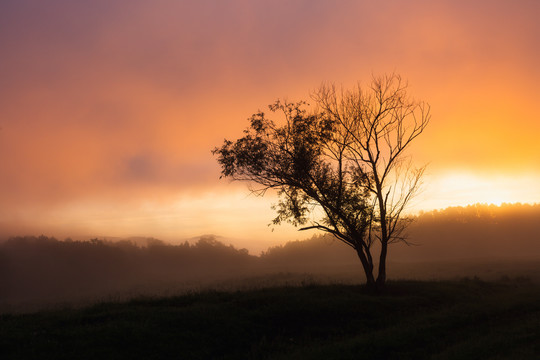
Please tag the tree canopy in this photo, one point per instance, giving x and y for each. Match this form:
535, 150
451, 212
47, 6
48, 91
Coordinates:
338, 166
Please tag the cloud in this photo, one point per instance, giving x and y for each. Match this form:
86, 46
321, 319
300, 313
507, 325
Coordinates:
116, 100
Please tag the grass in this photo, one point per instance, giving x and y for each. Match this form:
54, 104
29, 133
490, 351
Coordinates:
467, 319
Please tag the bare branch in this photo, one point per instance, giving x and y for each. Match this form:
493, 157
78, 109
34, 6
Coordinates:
345, 156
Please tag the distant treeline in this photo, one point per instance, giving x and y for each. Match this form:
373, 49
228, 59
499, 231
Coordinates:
44, 268
48, 269
474, 232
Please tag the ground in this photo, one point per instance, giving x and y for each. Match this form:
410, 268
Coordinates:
460, 319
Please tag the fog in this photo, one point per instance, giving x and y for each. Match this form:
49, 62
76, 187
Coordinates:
491, 242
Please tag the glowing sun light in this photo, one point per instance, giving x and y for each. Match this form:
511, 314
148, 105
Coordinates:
463, 188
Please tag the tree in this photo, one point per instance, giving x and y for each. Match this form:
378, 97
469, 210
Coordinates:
339, 166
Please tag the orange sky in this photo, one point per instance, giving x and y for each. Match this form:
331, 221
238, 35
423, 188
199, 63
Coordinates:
109, 109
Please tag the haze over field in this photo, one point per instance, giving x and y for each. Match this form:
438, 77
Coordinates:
109, 109
488, 242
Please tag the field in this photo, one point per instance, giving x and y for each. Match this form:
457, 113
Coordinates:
458, 319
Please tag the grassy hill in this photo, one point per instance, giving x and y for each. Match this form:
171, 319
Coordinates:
467, 319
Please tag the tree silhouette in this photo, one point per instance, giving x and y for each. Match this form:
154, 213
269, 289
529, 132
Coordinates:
340, 166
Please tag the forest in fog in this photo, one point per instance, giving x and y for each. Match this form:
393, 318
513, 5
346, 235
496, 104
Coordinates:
456, 241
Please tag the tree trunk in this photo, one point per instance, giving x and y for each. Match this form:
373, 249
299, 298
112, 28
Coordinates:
381, 277
368, 268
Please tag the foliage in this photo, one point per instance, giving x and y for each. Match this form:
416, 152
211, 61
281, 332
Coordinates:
297, 159
344, 160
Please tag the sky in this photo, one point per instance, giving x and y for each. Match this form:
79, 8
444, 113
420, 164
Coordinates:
109, 109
